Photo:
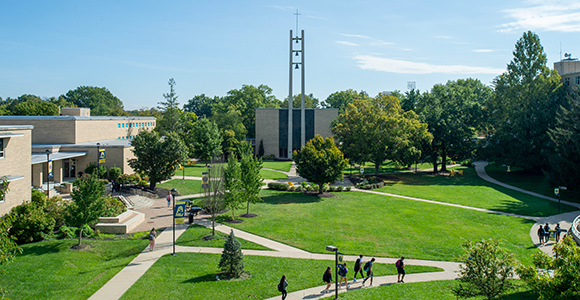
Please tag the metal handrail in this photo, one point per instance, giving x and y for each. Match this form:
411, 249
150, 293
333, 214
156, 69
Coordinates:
575, 231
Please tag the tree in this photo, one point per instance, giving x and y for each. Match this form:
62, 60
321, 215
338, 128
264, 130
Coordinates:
261, 148
8, 246
251, 179
233, 185
100, 100
566, 138
156, 157
320, 161
377, 129
214, 194
205, 140
35, 107
232, 129
555, 278
523, 108
454, 113
232, 260
485, 271
88, 202
170, 112
201, 105
309, 101
340, 99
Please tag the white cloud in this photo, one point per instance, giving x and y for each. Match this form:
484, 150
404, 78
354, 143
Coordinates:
346, 43
366, 37
547, 15
483, 50
445, 37
368, 62
373, 41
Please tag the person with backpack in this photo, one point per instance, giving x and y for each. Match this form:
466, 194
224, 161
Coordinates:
342, 270
358, 268
168, 200
327, 277
152, 236
400, 270
282, 287
541, 234
546, 233
369, 269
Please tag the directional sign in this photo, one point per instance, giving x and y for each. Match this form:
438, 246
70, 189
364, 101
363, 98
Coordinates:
205, 180
556, 191
102, 156
179, 213
340, 257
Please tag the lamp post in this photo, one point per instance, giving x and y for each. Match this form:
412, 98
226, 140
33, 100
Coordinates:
557, 192
47, 173
173, 193
335, 249
98, 154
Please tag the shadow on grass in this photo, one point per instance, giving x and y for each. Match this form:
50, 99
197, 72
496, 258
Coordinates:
287, 198
204, 278
46, 249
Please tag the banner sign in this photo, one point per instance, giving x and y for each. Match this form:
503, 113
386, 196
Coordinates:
50, 168
205, 180
179, 213
102, 156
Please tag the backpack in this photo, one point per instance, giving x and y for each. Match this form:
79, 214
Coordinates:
280, 289
341, 270
398, 263
357, 263
367, 266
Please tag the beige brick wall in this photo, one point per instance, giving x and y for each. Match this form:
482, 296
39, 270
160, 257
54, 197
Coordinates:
16, 162
267, 131
47, 130
322, 120
88, 130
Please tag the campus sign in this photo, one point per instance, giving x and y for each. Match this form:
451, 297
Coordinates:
102, 156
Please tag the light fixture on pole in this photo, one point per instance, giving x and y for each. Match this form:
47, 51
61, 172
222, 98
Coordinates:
335, 250
48, 171
98, 155
173, 193
557, 192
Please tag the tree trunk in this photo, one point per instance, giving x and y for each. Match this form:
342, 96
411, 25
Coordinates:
435, 165
248, 208
233, 213
377, 169
321, 188
213, 225
152, 185
443, 160
81, 234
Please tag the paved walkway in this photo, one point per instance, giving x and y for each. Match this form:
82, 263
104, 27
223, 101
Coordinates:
160, 216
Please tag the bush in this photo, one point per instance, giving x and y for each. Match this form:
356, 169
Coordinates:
269, 157
113, 207
348, 188
467, 162
339, 188
31, 223
278, 186
101, 170
114, 173
66, 232
142, 183
129, 179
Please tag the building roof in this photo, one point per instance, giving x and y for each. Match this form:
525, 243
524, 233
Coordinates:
76, 118
39, 158
15, 127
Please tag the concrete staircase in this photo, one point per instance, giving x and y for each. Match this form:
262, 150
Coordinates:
120, 224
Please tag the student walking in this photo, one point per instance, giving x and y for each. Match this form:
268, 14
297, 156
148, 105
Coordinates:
358, 268
342, 270
168, 200
282, 286
400, 270
546, 233
369, 269
152, 236
327, 277
558, 231
541, 234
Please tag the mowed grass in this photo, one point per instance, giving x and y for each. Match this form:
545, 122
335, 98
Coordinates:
192, 275
473, 191
277, 165
530, 181
369, 224
440, 290
268, 174
183, 186
51, 270
194, 234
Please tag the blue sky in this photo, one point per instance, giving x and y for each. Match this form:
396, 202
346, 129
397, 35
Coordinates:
134, 47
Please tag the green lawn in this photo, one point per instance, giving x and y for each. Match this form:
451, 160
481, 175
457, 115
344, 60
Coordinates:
192, 275
267, 174
277, 165
472, 191
194, 234
362, 223
51, 270
529, 180
184, 187
192, 170
440, 290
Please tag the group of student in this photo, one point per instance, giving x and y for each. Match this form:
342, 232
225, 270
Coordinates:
342, 272
544, 233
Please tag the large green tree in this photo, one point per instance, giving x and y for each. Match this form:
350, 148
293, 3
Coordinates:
523, 108
30, 105
341, 99
157, 157
233, 185
99, 99
201, 105
88, 202
309, 101
377, 129
454, 113
565, 161
205, 140
251, 181
230, 122
320, 161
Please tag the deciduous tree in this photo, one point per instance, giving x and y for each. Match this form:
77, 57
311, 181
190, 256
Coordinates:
156, 157
205, 140
213, 201
233, 185
99, 99
251, 180
320, 161
88, 202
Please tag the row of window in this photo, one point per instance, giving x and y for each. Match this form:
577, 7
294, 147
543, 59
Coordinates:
1, 148
134, 125
129, 137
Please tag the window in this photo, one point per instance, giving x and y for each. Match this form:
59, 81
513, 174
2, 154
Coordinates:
578, 80
119, 125
1, 148
566, 81
123, 125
